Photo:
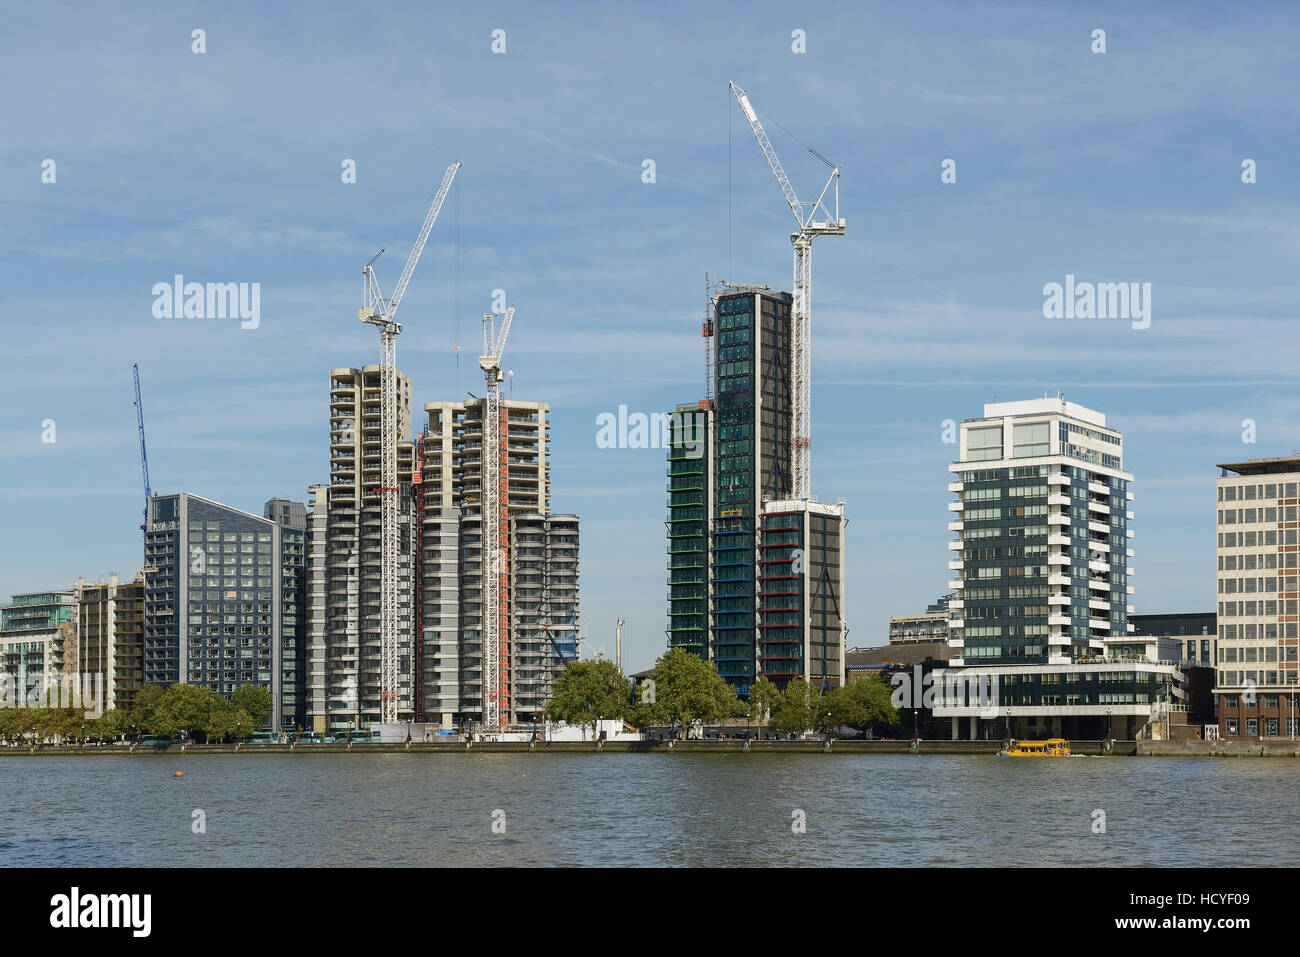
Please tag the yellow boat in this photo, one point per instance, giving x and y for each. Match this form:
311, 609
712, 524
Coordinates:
1051, 748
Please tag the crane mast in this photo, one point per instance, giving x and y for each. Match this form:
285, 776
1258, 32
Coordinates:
809, 226
144, 455
380, 312
492, 550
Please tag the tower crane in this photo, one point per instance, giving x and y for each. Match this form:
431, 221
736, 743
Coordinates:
144, 456
380, 312
813, 219
493, 539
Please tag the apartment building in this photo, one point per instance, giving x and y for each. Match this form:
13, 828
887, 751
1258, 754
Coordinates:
35, 632
1257, 527
349, 513
1042, 555
110, 637
740, 550
539, 580
224, 602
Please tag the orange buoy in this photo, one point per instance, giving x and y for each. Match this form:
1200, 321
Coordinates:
178, 774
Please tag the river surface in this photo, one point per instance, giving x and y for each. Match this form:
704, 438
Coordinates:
669, 810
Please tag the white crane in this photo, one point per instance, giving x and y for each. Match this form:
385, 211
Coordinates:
380, 312
493, 553
810, 226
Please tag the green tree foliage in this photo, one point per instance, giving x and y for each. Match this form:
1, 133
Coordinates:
588, 691
145, 714
14, 723
795, 710
876, 698
198, 712
255, 701
865, 702
687, 689
109, 725
227, 720
763, 696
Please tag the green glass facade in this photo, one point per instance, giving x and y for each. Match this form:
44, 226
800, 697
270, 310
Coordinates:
715, 500
689, 467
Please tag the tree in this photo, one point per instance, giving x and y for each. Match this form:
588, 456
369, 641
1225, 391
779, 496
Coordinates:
14, 723
588, 691
794, 710
688, 689
144, 715
184, 708
226, 720
838, 707
165, 712
874, 696
255, 701
109, 725
763, 696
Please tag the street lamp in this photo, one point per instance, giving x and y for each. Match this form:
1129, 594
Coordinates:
1008, 722
1110, 724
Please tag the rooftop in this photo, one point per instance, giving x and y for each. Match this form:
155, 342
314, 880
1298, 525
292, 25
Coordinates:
1047, 404
1285, 463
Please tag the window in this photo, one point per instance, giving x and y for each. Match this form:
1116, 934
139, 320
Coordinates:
1031, 439
983, 444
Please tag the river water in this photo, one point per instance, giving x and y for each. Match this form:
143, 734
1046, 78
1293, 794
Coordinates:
646, 809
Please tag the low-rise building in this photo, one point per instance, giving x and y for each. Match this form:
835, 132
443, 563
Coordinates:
34, 631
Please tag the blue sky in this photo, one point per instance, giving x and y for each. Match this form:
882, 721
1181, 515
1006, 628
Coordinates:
225, 167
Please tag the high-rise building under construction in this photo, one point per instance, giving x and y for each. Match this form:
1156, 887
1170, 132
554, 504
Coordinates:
440, 663
538, 564
343, 579
755, 575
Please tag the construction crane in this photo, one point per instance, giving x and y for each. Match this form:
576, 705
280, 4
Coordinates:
144, 455
493, 543
810, 226
380, 312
